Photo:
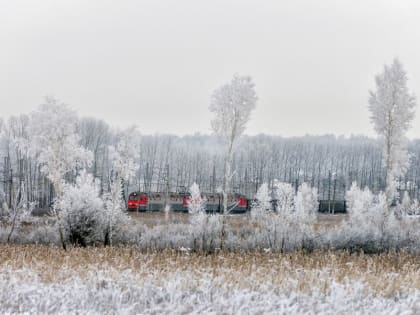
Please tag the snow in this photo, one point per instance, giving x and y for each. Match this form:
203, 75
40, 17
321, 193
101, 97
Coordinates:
107, 290
232, 104
392, 112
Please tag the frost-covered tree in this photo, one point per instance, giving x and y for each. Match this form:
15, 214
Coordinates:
199, 219
262, 203
82, 210
284, 195
368, 218
95, 136
18, 211
405, 205
306, 204
291, 225
15, 145
54, 142
359, 202
261, 212
123, 168
123, 154
232, 105
392, 111
196, 203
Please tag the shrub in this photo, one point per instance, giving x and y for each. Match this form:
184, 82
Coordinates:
82, 211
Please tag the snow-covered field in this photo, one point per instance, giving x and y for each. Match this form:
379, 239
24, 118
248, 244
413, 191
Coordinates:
35, 279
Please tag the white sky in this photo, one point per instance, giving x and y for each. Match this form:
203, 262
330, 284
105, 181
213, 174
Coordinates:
155, 63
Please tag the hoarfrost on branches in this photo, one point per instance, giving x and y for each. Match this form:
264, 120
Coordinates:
55, 141
82, 210
55, 145
284, 195
204, 227
124, 153
262, 202
196, 203
123, 168
392, 111
306, 204
232, 105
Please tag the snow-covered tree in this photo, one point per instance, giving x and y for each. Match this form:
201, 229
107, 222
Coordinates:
359, 203
306, 204
284, 195
405, 205
392, 111
82, 210
54, 143
232, 105
262, 203
196, 203
19, 210
123, 168
377, 216
368, 218
414, 208
199, 219
124, 153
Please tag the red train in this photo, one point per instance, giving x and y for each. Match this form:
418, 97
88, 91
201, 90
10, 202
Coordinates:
141, 201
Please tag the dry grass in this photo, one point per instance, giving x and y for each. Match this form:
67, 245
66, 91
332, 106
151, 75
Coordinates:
386, 274
124, 280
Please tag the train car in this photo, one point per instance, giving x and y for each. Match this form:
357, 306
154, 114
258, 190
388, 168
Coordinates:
157, 201
236, 203
137, 201
212, 202
178, 202
140, 201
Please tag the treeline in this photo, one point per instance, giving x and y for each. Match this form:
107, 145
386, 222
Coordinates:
173, 163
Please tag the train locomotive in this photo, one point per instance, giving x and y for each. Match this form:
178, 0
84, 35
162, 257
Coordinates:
178, 202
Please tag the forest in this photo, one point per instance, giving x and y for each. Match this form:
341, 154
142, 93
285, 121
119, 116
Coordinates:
328, 162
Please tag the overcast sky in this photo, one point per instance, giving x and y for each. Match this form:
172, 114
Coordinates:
155, 63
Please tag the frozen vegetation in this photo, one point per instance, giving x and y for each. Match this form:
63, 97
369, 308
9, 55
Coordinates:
294, 225
281, 257
85, 171
128, 281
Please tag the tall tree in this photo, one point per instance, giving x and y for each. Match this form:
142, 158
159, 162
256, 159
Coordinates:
123, 155
392, 111
232, 105
55, 145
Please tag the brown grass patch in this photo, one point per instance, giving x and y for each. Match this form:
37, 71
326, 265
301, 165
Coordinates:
386, 274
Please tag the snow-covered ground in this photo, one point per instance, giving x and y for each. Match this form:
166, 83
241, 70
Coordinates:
126, 281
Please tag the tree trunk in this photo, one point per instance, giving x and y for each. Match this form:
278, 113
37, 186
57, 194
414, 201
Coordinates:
57, 206
13, 226
226, 190
389, 191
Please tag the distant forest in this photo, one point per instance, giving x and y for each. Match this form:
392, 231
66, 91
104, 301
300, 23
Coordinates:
173, 163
